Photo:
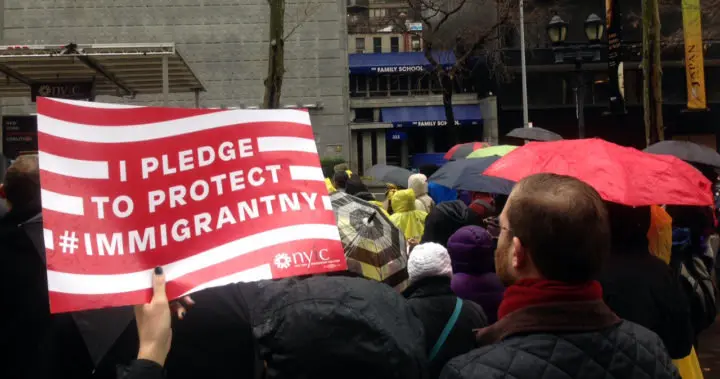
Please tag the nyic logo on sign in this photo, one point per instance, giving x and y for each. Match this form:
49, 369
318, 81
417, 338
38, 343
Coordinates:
301, 259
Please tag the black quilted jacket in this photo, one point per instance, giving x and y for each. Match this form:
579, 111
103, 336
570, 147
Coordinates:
621, 351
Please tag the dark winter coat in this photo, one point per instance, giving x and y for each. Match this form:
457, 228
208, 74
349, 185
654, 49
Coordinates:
433, 302
43, 345
336, 327
583, 340
213, 341
141, 369
445, 219
641, 288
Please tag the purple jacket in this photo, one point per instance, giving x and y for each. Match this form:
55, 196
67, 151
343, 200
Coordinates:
485, 290
471, 250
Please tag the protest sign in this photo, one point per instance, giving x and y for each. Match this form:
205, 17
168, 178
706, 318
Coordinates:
213, 196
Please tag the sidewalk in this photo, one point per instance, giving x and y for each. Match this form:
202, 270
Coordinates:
709, 353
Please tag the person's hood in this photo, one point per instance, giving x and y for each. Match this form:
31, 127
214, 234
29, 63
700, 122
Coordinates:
403, 201
418, 183
445, 219
331, 326
355, 186
472, 250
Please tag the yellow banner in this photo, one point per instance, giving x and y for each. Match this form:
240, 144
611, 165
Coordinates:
694, 64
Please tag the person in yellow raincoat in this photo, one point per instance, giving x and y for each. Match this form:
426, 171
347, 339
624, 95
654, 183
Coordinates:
405, 216
329, 184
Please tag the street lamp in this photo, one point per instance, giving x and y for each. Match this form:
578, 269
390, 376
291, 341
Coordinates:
577, 53
557, 30
594, 28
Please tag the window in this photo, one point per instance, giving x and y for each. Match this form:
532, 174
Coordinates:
377, 45
394, 44
415, 43
378, 13
360, 45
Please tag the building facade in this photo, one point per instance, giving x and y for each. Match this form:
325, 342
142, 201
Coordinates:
225, 44
552, 87
397, 112
396, 106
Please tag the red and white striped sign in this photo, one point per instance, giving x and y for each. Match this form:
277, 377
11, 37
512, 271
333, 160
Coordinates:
212, 196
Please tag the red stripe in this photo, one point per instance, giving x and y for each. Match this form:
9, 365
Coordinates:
170, 145
80, 262
60, 302
137, 188
115, 116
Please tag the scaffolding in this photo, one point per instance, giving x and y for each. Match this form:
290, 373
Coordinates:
124, 70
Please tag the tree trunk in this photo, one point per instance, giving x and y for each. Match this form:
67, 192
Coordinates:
646, 66
657, 72
276, 55
446, 82
652, 73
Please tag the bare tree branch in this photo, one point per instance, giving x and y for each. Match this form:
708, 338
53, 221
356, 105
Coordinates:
308, 11
446, 15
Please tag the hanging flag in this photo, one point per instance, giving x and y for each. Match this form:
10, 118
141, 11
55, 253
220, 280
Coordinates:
613, 19
213, 196
694, 65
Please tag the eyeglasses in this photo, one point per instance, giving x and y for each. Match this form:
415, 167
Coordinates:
494, 222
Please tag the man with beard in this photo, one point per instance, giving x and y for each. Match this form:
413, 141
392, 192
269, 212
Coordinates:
552, 321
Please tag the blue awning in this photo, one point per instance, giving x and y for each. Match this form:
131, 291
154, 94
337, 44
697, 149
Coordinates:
395, 63
431, 115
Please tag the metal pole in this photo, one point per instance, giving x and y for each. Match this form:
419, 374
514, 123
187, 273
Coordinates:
523, 67
166, 81
580, 99
197, 98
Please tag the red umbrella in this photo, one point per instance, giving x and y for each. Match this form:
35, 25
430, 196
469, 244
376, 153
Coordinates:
462, 150
620, 174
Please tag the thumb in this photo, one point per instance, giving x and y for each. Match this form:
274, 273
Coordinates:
158, 284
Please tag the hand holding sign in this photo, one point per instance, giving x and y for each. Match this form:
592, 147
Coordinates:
153, 323
213, 196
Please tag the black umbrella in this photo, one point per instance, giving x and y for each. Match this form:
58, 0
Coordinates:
467, 174
389, 174
687, 151
534, 134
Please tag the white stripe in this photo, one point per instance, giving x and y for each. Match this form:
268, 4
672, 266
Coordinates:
164, 129
75, 168
58, 202
327, 203
252, 275
306, 173
267, 144
49, 241
107, 284
92, 104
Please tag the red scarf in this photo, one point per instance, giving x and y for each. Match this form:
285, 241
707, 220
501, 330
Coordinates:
529, 292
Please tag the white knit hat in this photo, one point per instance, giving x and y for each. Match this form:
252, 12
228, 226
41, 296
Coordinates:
428, 260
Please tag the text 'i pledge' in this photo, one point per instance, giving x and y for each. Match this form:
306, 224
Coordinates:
123, 206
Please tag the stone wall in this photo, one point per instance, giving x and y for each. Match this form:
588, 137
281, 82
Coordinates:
224, 42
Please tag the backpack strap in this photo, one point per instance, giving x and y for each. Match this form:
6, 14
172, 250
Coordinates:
448, 328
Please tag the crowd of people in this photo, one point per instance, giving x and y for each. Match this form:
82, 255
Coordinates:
550, 281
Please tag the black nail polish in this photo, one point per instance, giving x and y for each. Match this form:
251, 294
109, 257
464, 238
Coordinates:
158, 270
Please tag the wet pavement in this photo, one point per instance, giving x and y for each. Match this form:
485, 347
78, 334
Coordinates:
709, 352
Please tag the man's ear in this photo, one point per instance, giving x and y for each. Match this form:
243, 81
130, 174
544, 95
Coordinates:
519, 254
